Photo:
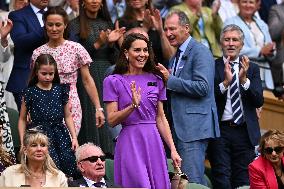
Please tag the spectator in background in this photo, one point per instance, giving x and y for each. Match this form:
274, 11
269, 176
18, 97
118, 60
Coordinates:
93, 29
91, 163
116, 9
17, 4
228, 9
72, 8
191, 83
238, 92
6, 142
8, 51
265, 7
257, 41
205, 22
267, 170
138, 13
276, 29
37, 169
164, 5
27, 34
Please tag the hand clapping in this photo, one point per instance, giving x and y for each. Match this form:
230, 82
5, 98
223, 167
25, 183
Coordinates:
136, 94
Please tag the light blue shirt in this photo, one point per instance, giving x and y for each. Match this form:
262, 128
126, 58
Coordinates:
182, 48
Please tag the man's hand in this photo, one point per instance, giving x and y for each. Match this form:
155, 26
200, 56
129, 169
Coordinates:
244, 69
227, 73
164, 71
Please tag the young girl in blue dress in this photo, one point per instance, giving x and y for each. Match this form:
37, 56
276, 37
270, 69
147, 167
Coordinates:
45, 105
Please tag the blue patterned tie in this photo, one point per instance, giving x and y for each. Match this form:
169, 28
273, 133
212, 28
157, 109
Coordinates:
235, 98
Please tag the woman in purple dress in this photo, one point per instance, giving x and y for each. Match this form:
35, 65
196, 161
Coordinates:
133, 97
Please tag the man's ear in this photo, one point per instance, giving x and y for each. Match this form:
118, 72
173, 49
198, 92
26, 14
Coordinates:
80, 167
188, 28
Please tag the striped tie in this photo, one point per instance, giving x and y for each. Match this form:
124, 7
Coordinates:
235, 98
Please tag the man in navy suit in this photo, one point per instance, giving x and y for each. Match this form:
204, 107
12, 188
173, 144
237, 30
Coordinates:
191, 83
91, 163
27, 34
238, 93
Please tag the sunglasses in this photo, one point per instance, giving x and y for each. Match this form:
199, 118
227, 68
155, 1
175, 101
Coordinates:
277, 149
94, 159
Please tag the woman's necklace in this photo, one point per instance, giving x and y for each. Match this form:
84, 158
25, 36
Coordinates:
37, 180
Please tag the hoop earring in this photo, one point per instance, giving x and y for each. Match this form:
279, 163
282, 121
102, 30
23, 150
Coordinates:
25, 158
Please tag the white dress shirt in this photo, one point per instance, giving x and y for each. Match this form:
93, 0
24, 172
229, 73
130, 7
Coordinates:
228, 112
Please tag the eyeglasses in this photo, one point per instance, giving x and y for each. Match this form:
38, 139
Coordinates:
277, 149
94, 159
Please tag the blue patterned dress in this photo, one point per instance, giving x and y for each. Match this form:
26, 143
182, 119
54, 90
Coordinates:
46, 108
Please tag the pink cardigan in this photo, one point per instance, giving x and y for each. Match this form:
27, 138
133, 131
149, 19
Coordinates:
261, 174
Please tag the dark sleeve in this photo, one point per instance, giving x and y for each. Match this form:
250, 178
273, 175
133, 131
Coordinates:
23, 35
254, 94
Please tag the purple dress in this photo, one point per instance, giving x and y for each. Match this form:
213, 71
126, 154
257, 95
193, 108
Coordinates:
139, 159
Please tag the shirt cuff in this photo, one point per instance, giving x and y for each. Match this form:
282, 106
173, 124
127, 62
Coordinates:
223, 89
246, 84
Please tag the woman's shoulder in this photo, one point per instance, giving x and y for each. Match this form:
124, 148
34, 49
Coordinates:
113, 77
12, 169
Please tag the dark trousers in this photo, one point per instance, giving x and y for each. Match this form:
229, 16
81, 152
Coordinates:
230, 156
18, 99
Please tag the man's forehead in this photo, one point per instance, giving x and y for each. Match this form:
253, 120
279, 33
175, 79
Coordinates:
92, 151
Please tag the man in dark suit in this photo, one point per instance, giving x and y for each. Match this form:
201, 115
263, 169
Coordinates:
191, 83
27, 34
91, 163
238, 93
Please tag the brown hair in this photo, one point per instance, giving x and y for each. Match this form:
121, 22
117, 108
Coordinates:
122, 63
43, 59
129, 15
84, 20
58, 10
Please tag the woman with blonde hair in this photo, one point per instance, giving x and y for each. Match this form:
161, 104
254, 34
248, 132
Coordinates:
37, 169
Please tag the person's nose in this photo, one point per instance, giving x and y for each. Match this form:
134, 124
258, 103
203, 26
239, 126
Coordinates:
274, 153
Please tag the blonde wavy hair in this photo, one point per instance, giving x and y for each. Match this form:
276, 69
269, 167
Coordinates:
35, 136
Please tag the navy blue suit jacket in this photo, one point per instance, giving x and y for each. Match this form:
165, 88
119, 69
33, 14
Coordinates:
82, 183
251, 98
27, 35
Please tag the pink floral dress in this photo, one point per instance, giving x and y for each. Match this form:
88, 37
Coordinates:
69, 56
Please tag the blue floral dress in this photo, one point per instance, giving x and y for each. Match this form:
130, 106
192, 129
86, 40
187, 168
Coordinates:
46, 108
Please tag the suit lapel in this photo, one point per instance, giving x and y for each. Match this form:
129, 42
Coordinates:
33, 18
220, 68
185, 56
